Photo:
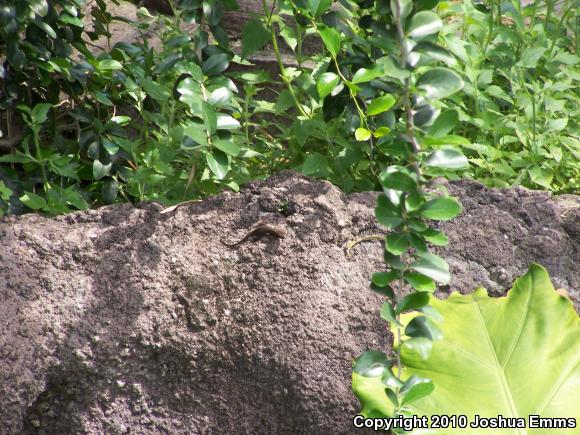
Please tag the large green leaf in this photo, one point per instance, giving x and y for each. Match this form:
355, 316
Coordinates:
440, 82
514, 356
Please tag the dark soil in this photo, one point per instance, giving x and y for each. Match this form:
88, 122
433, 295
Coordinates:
126, 320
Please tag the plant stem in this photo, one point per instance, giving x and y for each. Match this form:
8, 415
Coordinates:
281, 64
406, 93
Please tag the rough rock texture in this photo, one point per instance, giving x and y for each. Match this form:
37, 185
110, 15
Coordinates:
126, 320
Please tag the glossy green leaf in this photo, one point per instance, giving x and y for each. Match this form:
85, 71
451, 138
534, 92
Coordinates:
331, 39
318, 7
33, 201
364, 75
388, 216
404, 7
447, 158
362, 134
433, 266
383, 279
100, 170
420, 282
216, 64
413, 301
492, 347
109, 65
380, 104
441, 209
39, 114
397, 243
440, 82
47, 29
227, 147
255, 36
388, 313
398, 181
416, 388
422, 326
444, 123
424, 23
326, 83
438, 238
227, 122
218, 162
39, 7
371, 363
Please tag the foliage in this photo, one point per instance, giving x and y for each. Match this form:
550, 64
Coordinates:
483, 366
520, 105
134, 123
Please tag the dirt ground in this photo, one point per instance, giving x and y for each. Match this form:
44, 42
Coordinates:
125, 320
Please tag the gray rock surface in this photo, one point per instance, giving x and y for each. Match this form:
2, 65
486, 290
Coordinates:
126, 320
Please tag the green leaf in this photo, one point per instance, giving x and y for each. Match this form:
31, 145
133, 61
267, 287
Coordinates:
362, 134
216, 64
218, 162
47, 29
122, 120
432, 266
397, 243
440, 82
155, 90
383, 279
388, 216
444, 123
531, 56
418, 348
424, 23
326, 83
73, 21
255, 36
420, 282
438, 238
331, 39
404, 6
40, 113
109, 65
416, 388
398, 181
388, 313
413, 301
167, 63
5, 191
100, 170
209, 117
318, 7
441, 209
33, 201
364, 75
39, 7
492, 347
392, 69
447, 158
371, 363
380, 104
287, 33
315, 164
227, 147
227, 122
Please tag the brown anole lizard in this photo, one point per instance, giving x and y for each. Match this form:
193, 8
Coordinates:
258, 232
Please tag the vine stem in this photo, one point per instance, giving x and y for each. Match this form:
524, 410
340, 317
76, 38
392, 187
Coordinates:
280, 62
406, 91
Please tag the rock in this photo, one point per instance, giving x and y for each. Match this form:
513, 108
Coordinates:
125, 320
